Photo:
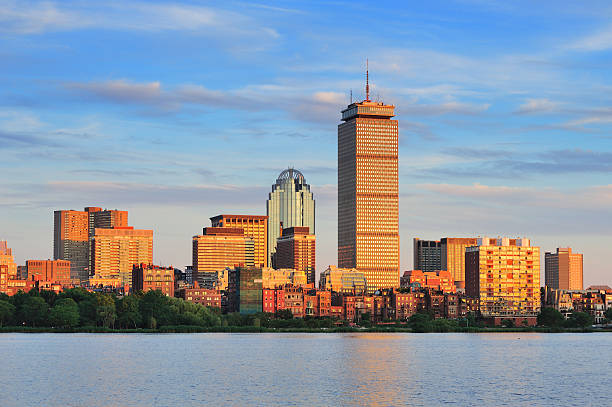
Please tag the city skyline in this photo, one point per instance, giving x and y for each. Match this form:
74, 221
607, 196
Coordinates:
508, 127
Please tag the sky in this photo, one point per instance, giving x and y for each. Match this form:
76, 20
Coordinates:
178, 112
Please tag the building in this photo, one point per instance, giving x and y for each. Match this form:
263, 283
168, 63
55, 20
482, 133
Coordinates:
56, 271
115, 252
273, 278
254, 227
146, 277
10, 285
504, 274
250, 289
341, 280
296, 250
368, 217
218, 248
426, 255
440, 280
102, 219
452, 257
202, 296
7, 259
563, 269
289, 204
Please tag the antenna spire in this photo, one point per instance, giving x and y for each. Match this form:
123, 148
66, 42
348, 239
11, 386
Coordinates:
367, 82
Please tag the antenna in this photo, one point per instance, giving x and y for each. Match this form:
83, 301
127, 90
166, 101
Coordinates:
367, 82
351, 97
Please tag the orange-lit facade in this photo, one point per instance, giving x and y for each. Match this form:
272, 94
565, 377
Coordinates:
368, 202
147, 277
115, 251
341, 280
10, 285
254, 227
218, 248
7, 259
296, 249
563, 269
452, 257
202, 296
54, 271
504, 275
435, 280
273, 278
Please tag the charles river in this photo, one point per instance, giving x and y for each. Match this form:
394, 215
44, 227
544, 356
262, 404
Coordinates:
365, 369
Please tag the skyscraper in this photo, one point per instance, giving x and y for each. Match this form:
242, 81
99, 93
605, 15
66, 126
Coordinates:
253, 226
453, 257
296, 250
368, 201
426, 255
289, 204
563, 269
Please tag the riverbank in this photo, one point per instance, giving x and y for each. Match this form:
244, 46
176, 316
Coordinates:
255, 329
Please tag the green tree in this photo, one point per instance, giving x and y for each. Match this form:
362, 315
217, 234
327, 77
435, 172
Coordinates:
580, 320
550, 317
35, 311
105, 311
507, 323
608, 314
87, 312
284, 314
49, 297
420, 322
65, 313
128, 312
7, 312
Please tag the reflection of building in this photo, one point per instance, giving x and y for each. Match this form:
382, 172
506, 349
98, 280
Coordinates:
343, 280
247, 283
296, 250
289, 204
504, 274
254, 227
7, 259
368, 228
57, 271
427, 255
115, 251
218, 248
563, 270
452, 257
146, 277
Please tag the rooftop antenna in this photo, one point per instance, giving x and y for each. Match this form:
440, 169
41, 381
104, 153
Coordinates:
351, 97
367, 82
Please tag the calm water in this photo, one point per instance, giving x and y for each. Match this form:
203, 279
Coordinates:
306, 369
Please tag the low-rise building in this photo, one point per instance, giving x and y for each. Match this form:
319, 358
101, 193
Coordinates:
146, 277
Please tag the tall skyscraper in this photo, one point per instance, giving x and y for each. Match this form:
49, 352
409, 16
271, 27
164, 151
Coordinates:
427, 255
289, 204
368, 199
253, 226
296, 250
117, 250
452, 257
504, 274
563, 269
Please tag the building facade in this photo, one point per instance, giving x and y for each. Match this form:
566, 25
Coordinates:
289, 204
254, 227
57, 271
368, 199
117, 250
452, 257
147, 277
504, 274
563, 269
427, 255
7, 259
297, 250
342, 280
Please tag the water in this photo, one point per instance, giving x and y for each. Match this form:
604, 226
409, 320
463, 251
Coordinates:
513, 369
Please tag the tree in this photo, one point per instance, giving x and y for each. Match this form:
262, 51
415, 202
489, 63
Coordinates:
128, 312
49, 296
507, 323
34, 311
7, 312
420, 322
65, 313
105, 311
608, 314
550, 317
284, 314
580, 320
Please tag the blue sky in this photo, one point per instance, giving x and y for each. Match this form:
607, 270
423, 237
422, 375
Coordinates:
181, 111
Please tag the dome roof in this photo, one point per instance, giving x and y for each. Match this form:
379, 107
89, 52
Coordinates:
291, 173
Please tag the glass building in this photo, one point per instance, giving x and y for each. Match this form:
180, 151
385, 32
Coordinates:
289, 204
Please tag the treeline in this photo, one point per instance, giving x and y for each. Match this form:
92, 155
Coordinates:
77, 307
550, 317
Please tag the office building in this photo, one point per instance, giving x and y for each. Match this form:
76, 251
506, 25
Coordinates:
273, 278
7, 259
56, 271
342, 280
146, 277
254, 227
427, 255
452, 257
296, 250
504, 275
368, 220
289, 204
218, 248
563, 269
117, 250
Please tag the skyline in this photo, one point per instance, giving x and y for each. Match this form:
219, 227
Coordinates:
499, 135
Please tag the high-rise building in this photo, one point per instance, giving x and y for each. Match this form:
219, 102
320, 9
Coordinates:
296, 250
71, 241
289, 204
254, 227
368, 200
217, 248
74, 232
146, 277
427, 255
341, 280
57, 271
115, 251
452, 257
563, 269
7, 259
504, 274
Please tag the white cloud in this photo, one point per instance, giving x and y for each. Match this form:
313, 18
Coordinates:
599, 41
540, 105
